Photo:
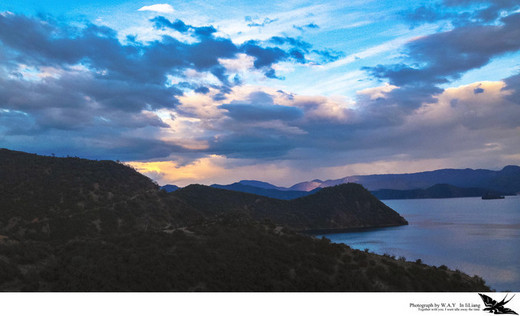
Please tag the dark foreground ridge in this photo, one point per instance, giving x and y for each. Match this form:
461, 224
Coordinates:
70, 224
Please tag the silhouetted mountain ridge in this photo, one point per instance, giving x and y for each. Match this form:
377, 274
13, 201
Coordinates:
505, 180
282, 194
261, 184
170, 188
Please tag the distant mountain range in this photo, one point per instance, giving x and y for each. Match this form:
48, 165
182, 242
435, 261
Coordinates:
434, 192
265, 189
170, 188
505, 180
444, 183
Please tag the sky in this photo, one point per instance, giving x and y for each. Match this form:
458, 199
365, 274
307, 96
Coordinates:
278, 91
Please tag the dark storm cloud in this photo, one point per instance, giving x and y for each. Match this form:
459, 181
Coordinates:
265, 55
259, 143
513, 86
312, 128
438, 59
256, 127
203, 90
99, 140
94, 146
261, 111
444, 56
81, 79
48, 43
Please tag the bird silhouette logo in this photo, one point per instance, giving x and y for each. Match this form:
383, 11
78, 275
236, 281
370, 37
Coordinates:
497, 307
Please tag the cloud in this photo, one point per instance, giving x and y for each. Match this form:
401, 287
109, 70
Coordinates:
478, 90
185, 97
513, 88
461, 12
252, 23
311, 25
443, 56
265, 56
349, 133
479, 130
261, 112
161, 8
216, 169
81, 82
161, 22
440, 58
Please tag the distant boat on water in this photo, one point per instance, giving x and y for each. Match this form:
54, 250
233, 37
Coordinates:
492, 196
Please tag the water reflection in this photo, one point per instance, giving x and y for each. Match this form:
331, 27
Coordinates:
475, 236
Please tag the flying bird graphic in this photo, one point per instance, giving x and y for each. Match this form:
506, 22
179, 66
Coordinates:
497, 307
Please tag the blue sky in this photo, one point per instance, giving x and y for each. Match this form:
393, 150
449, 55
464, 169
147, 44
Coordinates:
214, 92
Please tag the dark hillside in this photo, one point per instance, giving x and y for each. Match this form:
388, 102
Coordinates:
60, 198
344, 206
346, 203
76, 183
70, 224
231, 253
507, 180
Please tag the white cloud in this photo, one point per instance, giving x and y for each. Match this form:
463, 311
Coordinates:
377, 92
162, 8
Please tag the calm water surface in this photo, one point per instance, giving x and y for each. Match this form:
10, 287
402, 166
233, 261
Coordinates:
476, 236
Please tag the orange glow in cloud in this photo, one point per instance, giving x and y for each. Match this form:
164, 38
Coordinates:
458, 109
172, 172
212, 169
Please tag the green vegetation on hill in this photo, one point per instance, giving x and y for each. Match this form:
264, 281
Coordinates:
70, 224
231, 253
62, 198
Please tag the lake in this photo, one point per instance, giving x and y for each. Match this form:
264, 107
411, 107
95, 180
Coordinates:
476, 236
